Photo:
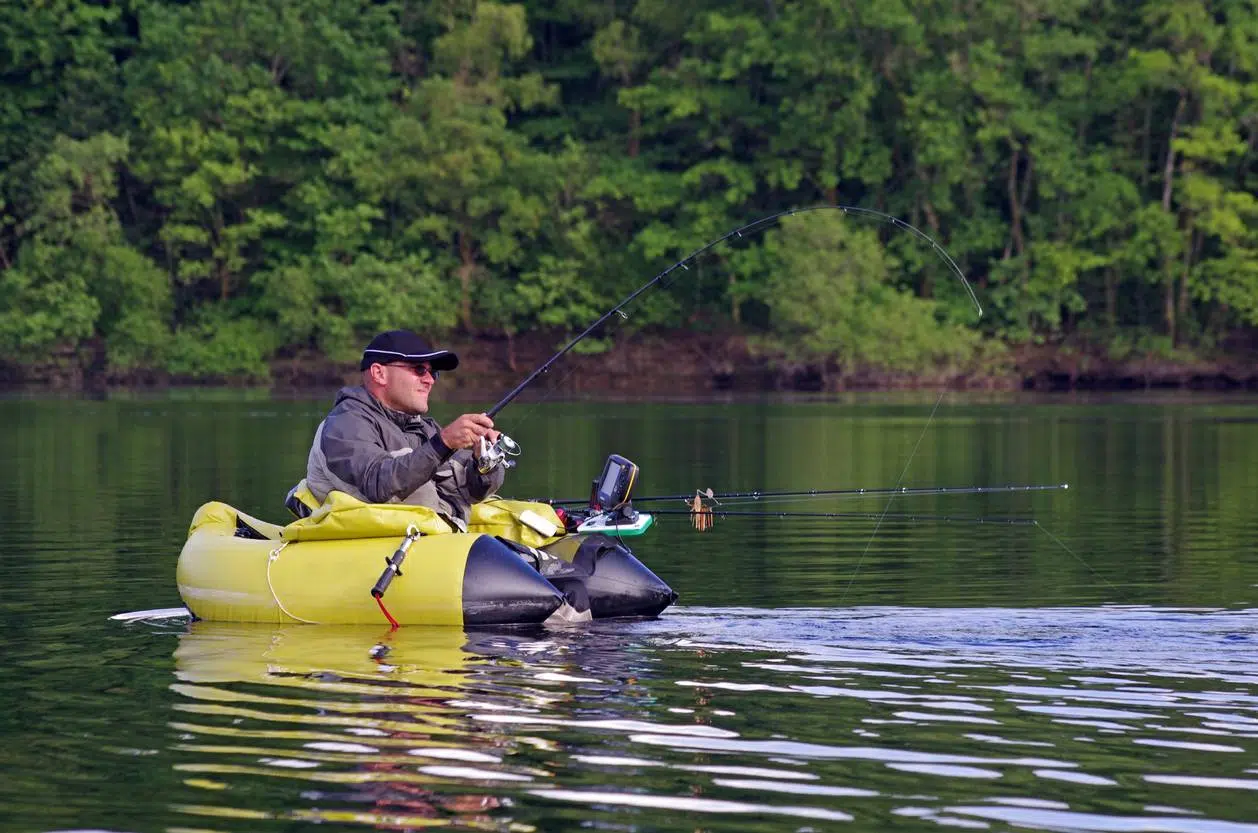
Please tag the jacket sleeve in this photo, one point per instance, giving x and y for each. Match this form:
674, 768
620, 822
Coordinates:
352, 446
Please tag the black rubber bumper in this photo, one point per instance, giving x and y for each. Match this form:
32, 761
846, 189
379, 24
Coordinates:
500, 588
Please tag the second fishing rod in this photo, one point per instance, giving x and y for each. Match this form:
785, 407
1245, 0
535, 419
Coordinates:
723, 498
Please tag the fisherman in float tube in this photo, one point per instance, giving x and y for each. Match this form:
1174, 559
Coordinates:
379, 445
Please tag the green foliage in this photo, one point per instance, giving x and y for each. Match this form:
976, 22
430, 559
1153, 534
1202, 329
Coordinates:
76, 276
334, 306
37, 314
219, 342
832, 302
205, 186
58, 75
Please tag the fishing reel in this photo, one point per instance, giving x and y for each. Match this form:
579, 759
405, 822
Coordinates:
498, 453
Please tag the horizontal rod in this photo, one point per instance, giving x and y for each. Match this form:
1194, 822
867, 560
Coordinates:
905, 491
872, 516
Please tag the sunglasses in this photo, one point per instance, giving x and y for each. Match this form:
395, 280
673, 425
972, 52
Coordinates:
418, 370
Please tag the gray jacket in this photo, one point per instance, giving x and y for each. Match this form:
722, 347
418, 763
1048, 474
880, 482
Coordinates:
383, 456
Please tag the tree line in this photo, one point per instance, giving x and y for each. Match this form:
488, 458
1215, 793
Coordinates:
201, 187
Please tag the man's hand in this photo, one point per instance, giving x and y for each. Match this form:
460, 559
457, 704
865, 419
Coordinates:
465, 431
479, 450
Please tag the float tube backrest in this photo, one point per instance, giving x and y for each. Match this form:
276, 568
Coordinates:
219, 514
343, 516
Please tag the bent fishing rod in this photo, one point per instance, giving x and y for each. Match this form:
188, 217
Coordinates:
497, 453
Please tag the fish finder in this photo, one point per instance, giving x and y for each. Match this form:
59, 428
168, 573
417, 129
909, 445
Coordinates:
614, 486
610, 512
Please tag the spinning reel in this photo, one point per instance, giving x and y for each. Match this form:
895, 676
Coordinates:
498, 453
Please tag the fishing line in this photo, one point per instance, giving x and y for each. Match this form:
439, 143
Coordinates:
903, 472
1078, 557
756, 226
557, 382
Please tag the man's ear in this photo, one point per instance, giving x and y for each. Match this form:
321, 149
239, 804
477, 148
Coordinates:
376, 373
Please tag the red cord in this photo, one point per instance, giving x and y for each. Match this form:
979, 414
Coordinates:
385, 611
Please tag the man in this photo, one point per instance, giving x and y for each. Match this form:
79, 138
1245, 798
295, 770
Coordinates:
379, 445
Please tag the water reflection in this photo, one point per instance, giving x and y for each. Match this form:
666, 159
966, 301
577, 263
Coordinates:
365, 720
1039, 718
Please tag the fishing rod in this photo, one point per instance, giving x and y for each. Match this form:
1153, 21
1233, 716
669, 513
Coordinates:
894, 491
739, 232
698, 517
497, 453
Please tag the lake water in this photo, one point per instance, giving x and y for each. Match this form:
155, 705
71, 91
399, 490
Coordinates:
1094, 670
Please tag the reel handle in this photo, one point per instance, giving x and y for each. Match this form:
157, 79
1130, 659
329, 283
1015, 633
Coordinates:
498, 453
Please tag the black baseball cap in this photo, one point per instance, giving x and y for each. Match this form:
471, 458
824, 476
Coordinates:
406, 346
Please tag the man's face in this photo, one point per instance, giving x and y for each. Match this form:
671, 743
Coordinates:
406, 387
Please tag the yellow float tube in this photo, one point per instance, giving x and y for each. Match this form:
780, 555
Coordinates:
514, 565
322, 568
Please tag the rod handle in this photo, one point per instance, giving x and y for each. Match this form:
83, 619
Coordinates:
393, 564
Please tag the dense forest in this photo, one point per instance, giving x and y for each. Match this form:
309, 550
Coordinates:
201, 188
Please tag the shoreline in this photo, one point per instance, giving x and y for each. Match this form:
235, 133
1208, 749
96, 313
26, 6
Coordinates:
693, 365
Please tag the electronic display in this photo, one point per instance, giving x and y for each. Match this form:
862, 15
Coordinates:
615, 486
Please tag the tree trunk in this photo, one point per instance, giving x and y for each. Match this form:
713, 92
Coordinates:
1168, 169
1027, 173
1190, 257
1016, 243
1168, 182
635, 130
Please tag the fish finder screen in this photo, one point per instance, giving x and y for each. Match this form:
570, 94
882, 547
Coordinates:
609, 479
615, 483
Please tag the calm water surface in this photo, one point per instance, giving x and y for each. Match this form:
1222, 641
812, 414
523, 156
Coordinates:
1097, 671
